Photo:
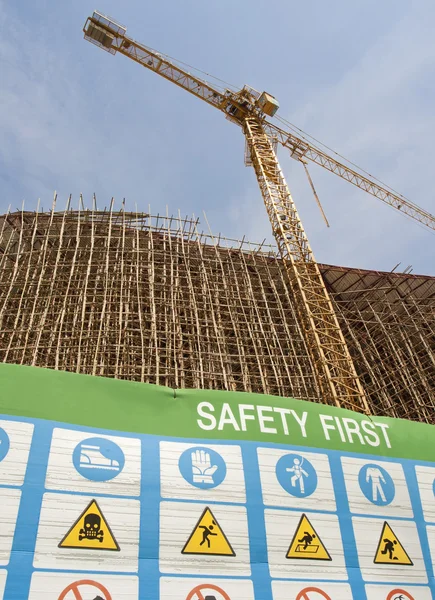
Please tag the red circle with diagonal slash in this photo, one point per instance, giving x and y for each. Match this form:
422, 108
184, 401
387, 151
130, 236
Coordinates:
406, 595
205, 587
303, 593
74, 588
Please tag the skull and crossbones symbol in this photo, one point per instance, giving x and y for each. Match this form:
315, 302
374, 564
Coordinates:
92, 528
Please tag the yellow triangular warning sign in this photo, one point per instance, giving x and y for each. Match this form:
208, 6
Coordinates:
390, 551
306, 543
91, 530
207, 537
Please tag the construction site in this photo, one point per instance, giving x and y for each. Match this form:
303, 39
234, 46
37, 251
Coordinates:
154, 299
158, 299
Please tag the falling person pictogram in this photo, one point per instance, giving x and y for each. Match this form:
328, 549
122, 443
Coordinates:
208, 531
208, 537
389, 547
307, 539
306, 543
390, 550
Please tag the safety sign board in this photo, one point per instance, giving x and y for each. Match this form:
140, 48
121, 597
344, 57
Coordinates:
100, 464
15, 441
83, 589
296, 475
303, 590
98, 459
200, 588
208, 472
202, 467
91, 530
188, 588
376, 488
397, 592
179, 528
306, 543
390, 550
283, 532
125, 490
369, 538
426, 483
296, 480
376, 484
208, 538
89, 586
207, 590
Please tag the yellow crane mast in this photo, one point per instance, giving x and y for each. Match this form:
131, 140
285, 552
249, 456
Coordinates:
336, 374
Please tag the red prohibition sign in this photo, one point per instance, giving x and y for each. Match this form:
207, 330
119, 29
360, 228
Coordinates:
303, 594
402, 595
74, 588
204, 586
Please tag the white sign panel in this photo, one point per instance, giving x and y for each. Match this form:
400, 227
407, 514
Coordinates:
376, 488
202, 472
301, 550
76, 586
389, 550
204, 539
306, 590
397, 592
3, 575
85, 462
113, 546
426, 486
9, 504
296, 479
184, 588
431, 538
15, 440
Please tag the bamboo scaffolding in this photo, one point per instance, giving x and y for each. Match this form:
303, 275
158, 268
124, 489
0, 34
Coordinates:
152, 298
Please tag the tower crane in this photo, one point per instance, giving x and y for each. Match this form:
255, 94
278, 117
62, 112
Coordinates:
335, 372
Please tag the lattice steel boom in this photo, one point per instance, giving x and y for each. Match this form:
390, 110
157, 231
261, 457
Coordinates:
335, 370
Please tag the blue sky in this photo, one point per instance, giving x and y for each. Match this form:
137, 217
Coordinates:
359, 76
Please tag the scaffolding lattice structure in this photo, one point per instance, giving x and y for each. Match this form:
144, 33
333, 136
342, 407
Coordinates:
152, 298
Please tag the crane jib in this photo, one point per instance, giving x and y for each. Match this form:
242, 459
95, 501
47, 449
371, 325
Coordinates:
336, 375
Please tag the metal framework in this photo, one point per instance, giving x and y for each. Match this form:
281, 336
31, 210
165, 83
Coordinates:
107, 34
334, 367
153, 299
336, 374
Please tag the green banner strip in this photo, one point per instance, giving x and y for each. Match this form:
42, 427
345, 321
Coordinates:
143, 408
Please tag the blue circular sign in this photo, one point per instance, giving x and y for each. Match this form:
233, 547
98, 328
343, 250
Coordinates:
98, 459
296, 475
376, 484
4, 444
202, 467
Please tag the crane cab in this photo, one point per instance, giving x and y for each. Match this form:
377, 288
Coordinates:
267, 104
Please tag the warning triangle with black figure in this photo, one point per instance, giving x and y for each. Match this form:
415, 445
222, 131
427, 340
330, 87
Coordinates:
306, 543
208, 538
390, 551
